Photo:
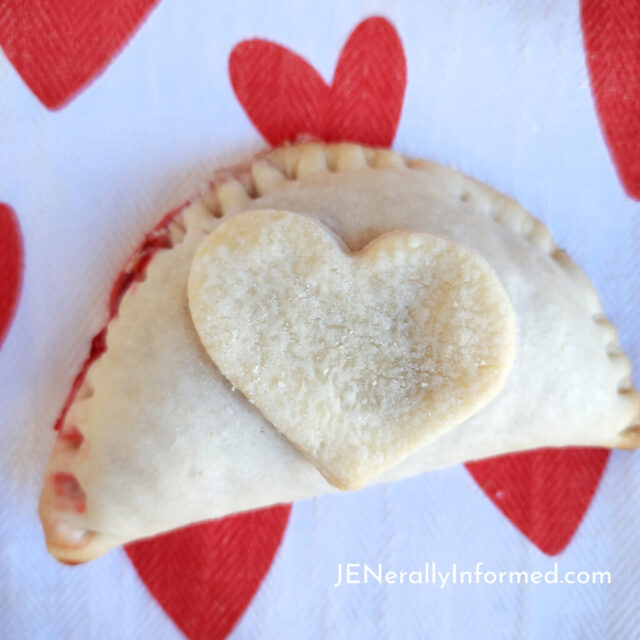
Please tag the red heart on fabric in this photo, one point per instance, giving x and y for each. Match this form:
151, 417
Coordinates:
11, 264
285, 97
205, 576
545, 493
58, 46
612, 41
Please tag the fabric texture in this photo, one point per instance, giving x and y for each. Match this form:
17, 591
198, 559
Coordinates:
112, 116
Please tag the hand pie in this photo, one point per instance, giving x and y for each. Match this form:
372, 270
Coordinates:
329, 316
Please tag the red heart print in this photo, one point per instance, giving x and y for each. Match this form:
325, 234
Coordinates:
545, 493
204, 576
285, 97
59, 46
11, 264
612, 41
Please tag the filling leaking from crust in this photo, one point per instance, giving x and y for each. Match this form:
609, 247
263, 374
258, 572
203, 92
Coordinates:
67, 493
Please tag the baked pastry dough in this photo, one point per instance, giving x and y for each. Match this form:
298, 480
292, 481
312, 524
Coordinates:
158, 438
359, 360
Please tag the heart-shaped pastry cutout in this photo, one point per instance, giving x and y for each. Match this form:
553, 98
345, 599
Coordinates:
358, 359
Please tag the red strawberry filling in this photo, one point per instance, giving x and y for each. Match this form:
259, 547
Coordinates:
67, 489
72, 436
158, 238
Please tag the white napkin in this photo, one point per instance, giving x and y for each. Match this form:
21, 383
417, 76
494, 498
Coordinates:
498, 90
